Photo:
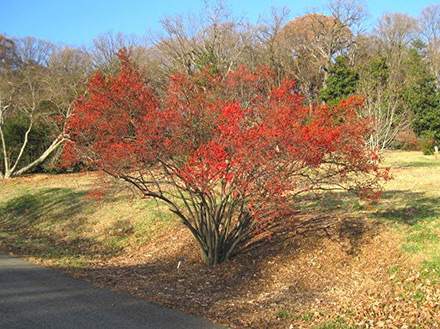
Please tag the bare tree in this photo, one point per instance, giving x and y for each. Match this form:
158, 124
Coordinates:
9, 58
22, 99
102, 52
395, 33
275, 51
37, 95
430, 31
212, 39
316, 39
383, 78
383, 104
33, 51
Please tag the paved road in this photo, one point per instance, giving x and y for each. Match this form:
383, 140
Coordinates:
32, 297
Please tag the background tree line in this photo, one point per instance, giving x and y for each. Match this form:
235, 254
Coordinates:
394, 65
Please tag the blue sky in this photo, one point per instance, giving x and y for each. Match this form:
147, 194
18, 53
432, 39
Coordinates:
76, 22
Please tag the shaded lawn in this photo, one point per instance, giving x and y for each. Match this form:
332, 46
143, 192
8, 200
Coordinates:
54, 218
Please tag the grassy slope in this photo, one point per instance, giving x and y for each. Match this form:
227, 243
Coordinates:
51, 219
58, 220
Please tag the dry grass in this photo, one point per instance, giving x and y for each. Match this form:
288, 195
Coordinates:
57, 219
355, 266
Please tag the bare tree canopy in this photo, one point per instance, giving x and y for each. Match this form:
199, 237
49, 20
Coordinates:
430, 33
316, 39
36, 96
213, 39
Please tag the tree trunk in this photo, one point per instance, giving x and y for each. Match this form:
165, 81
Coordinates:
218, 247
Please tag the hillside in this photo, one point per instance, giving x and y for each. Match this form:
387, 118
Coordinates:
346, 264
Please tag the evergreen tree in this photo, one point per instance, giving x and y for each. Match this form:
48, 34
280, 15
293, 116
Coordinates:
340, 83
422, 94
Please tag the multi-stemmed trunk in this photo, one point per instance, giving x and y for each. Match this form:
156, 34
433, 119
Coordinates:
219, 236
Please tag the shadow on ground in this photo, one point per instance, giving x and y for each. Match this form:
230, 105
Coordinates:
267, 278
410, 208
400, 206
255, 286
27, 224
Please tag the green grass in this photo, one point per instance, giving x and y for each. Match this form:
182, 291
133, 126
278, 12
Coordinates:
406, 207
419, 239
422, 238
432, 267
27, 222
395, 269
412, 203
282, 315
338, 323
307, 316
62, 224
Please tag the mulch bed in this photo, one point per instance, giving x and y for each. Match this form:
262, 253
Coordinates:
323, 263
326, 269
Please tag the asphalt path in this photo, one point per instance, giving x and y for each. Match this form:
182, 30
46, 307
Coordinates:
33, 297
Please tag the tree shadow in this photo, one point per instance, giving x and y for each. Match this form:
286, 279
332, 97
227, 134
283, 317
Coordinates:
330, 202
420, 164
194, 287
52, 204
239, 285
26, 224
406, 207
400, 206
